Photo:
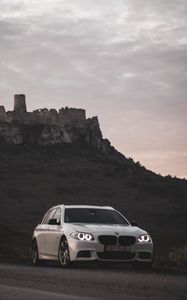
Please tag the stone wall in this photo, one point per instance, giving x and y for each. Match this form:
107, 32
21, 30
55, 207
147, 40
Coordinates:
65, 116
3, 115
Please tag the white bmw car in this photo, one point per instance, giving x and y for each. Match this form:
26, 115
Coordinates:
72, 233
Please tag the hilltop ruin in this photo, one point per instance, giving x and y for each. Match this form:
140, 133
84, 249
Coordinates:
65, 116
46, 127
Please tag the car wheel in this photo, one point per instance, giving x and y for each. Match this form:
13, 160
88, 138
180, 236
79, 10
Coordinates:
34, 254
63, 253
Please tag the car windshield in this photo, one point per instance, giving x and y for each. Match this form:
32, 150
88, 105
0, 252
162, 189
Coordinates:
93, 216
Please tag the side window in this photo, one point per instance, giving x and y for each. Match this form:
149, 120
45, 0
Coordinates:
57, 215
45, 217
49, 216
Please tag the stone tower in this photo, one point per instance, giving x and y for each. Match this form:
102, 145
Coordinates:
20, 104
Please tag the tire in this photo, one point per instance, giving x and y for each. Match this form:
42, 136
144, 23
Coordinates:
34, 254
63, 253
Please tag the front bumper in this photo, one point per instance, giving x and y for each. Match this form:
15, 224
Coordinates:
94, 250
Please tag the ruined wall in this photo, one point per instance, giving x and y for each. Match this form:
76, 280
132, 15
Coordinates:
3, 116
44, 116
69, 116
65, 117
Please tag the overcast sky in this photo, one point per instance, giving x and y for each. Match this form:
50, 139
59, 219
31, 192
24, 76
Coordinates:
123, 60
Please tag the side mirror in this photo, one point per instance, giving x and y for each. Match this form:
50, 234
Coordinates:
134, 223
53, 222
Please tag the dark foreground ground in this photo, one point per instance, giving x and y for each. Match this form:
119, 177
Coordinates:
19, 281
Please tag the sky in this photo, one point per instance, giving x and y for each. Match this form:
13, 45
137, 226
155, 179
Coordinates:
122, 60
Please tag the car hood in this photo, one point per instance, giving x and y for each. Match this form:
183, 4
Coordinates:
108, 229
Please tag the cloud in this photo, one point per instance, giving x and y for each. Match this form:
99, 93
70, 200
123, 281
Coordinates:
124, 60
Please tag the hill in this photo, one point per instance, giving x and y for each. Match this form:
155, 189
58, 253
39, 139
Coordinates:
34, 178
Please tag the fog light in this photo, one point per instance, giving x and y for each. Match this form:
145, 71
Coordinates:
84, 254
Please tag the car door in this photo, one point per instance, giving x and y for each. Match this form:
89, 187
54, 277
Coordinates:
54, 234
42, 232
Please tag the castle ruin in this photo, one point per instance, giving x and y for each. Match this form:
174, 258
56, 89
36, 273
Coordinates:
67, 125
65, 116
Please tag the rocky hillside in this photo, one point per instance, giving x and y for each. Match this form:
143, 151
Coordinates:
19, 133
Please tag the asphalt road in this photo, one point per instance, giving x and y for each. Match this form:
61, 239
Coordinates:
87, 283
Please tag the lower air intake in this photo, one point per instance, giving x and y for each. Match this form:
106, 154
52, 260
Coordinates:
116, 255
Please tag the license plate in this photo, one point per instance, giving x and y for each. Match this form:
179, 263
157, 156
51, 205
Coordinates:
116, 248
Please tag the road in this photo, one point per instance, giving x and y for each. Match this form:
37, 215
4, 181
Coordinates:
18, 281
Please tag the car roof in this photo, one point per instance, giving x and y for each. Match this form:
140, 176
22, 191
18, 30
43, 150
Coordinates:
82, 206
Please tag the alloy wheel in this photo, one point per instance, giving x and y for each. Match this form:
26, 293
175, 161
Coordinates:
63, 253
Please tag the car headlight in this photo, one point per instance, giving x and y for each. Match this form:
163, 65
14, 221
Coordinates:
144, 238
82, 236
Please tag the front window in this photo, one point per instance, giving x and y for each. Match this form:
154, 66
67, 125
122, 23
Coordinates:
93, 216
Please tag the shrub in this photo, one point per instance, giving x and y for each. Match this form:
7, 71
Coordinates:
179, 256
